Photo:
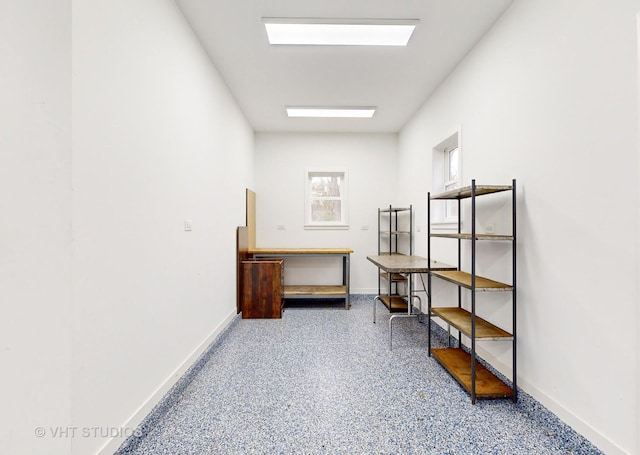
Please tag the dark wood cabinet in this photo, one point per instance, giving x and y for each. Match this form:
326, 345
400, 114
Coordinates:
262, 288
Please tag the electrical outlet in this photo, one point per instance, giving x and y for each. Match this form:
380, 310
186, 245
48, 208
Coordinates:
490, 228
188, 225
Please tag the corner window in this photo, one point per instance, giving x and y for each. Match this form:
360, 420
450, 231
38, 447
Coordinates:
452, 181
326, 202
446, 166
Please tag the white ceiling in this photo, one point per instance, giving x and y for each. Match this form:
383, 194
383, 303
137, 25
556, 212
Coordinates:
398, 80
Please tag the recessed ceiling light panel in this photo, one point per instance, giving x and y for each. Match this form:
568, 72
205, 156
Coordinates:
339, 32
331, 112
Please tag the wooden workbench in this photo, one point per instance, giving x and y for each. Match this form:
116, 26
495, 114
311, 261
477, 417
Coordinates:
247, 250
300, 291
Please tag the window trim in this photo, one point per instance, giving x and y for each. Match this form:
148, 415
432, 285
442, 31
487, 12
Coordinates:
344, 198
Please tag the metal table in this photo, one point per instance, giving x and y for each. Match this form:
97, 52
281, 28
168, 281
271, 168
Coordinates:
400, 263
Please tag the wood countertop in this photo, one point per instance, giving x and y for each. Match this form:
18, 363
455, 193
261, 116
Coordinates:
300, 251
400, 263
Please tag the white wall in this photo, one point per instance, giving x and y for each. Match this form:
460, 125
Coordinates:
281, 160
115, 128
157, 139
638, 243
35, 224
550, 97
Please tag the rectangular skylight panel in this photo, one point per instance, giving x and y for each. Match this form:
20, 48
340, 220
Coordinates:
339, 34
319, 112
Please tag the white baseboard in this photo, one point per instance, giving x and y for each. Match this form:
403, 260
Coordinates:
580, 426
603, 443
145, 408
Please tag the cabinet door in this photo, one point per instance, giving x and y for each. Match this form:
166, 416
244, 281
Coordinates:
262, 289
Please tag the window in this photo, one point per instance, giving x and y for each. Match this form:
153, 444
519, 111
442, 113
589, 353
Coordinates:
446, 165
326, 200
451, 181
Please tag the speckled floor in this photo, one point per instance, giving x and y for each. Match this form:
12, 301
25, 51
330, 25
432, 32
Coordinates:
322, 380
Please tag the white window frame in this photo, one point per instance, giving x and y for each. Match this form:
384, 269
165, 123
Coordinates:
451, 207
444, 214
343, 223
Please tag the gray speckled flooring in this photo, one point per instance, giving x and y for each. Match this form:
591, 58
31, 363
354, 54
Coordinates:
322, 380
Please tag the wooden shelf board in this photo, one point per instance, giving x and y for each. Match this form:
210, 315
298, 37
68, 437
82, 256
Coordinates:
394, 303
458, 363
468, 236
464, 279
395, 232
461, 320
463, 193
395, 277
304, 290
395, 209
400, 263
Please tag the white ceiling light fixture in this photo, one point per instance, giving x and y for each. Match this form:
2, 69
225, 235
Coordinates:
339, 32
330, 112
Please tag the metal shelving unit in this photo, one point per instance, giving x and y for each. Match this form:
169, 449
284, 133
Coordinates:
392, 226
462, 362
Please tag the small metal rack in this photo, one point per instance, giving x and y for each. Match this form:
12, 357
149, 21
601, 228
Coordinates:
394, 225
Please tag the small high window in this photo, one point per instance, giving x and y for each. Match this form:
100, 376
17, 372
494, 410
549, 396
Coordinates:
452, 181
446, 165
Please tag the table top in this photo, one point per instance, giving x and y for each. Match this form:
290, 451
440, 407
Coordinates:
300, 251
400, 263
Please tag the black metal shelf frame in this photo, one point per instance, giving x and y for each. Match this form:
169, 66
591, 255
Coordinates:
473, 192
393, 233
